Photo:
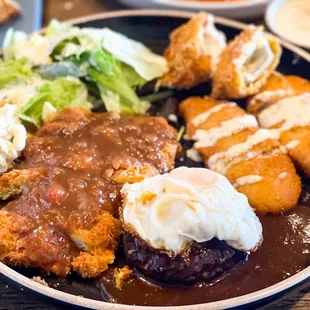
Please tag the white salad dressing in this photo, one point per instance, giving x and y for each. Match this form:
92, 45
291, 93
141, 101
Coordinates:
282, 175
201, 118
269, 95
292, 21
289, 112
248, 179
209, 137
194, 155
219, 161
190, 204
292, 144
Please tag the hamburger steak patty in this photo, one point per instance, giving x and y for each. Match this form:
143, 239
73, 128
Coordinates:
203, 262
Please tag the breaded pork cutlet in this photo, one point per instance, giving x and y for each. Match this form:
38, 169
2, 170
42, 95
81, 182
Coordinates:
68, 185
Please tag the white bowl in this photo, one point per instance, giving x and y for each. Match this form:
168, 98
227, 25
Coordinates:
272, 23
242, 10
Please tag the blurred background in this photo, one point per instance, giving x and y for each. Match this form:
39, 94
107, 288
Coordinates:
289, 19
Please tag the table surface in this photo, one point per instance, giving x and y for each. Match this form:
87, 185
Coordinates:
10, 298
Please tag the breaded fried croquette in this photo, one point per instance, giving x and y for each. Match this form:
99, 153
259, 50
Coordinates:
278, 86
245, 64
283, 105
193, 52
289, 119
231, 143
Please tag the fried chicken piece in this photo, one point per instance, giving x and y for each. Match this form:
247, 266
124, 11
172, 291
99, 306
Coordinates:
231, 143
16, 182
8, 10
193, 52
245, 64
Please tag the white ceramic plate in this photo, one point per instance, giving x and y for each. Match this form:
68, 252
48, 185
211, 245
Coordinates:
242, 10
248, 300
271, 21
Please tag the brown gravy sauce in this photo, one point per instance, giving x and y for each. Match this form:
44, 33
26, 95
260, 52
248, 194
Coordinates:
78, 154
285, 252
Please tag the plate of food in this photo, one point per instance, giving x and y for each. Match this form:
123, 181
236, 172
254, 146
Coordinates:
236, 9
154, 159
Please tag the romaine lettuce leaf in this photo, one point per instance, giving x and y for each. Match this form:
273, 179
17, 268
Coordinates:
115, 83
147, 64
58, 69
14, 71
61, 93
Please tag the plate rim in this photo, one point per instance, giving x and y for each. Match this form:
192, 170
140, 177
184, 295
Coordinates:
278, 288
211, 5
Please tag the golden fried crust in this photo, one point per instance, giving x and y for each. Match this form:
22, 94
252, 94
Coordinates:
228, 80
298, 84
194, 106
301, 153
16, 181
277, 87
274, 193
281, 87
98, 245
188, 64
280, 186
104, 234
121, 275
90, 265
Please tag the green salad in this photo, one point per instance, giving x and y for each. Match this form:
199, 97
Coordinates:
72, 66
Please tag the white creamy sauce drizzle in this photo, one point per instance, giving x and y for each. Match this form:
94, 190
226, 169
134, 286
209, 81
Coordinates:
209, 137
292, 144
282, 175
269, 95
194, 155
201, 118
248, 179
172, 118
219, 161
190, 204
291, 112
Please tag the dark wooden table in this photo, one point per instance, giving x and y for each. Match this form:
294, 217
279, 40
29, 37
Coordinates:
12, 299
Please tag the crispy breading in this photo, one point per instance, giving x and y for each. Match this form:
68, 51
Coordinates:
121, 275
189, 55
277, 87
103, 234
266, 159
16, 181
64, 217
90, 265
228, 79
280, 87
